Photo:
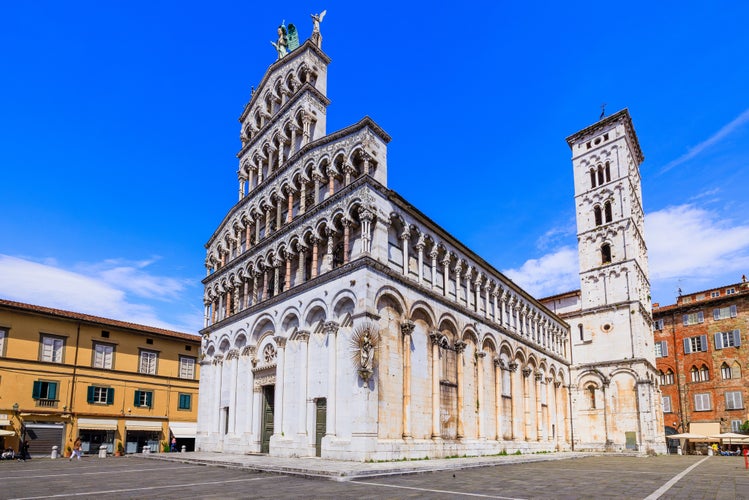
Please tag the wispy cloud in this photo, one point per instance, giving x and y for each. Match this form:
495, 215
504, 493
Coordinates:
721, 134
114, 289
550, 274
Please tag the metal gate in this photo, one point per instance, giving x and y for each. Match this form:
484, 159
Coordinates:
267, 426
42, 437
321, 419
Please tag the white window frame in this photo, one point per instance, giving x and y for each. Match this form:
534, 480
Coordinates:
100, 395
666, 404
103, 355
734, 400
736, 425
730, 291
148, 362
727, 339
727, 312
661, 349
694, 318
695, 344
187, 367
658, 325
3, 336
702, 402
726, 370
52, 349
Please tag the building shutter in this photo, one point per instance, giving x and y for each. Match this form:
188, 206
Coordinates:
110, 395
700, 317
136, 399
703, 342
736, 338
90, 394
718, 340
664, 349
52, 390
716, 314
37, 390
687, 345
733, 311
149, 399
685, 319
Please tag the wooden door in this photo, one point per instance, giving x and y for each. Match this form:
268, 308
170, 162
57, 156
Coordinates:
267, 425
321, 414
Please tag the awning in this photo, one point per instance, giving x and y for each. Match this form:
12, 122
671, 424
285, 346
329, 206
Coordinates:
4, 422
705, 428
3, 432
184, 429
97, 424
142, 425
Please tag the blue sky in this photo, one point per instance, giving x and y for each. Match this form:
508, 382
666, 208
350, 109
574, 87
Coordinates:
118, 133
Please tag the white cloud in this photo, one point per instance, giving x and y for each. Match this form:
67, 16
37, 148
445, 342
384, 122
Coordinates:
109, 289
710, 141
688, 241
553, 273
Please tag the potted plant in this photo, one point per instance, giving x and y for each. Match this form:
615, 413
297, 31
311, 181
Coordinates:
120, 450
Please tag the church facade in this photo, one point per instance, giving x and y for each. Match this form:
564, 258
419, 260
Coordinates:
342, 322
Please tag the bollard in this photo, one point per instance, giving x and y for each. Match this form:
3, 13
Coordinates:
184, 449
103, 451
54, 453
678, 450
746, 457
146, 450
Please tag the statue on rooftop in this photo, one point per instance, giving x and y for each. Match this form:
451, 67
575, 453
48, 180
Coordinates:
281, 44
316, 20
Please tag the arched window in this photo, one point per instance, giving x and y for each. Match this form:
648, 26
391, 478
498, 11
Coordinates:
597, 215
605, 253
580, 329
591, 396
600, 175
735, 370
592, 178
694, 374
607, 211
725, 371
608, 172
669, 377
704, 374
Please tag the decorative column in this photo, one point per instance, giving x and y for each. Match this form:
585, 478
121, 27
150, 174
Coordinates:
251, 179
435, 337
276, 277
206, 313
279, 387
407, 328
302, 337
514, 422
241, 189
303, 195
549, 407
257, 415
346, 239
279, 212
458, 280
327, 260
405, 238
292, 145
232, 360
476, 292
315, 249
539, 376
331, 180
433, 255
280, 153
420, 248
366, 216
527, 430
445, 273
331, 329
317, 178
498, 397
302, 261
247, 236
480, 389
257, 218
255, 279
306, 122
267, 209
460, 346
290, 204
287, 280
348, 169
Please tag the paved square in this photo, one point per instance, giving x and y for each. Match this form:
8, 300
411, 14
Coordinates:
589, 477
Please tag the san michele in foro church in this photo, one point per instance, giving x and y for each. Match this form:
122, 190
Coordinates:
341, 322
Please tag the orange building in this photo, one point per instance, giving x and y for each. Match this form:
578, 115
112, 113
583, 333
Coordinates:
114, 384
702, 355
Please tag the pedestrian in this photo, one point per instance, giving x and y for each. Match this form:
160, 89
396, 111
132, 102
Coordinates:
174, 444
23, 450
76, 449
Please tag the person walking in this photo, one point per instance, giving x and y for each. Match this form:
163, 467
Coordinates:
23, 450
76, 449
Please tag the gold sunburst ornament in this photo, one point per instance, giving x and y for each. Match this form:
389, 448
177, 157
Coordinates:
364, 342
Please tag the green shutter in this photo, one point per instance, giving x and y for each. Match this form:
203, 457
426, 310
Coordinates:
36, 392
149, 399
110, 395
90, 394
52, 390
136, 399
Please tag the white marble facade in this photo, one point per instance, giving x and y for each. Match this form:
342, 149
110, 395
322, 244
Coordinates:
317, 250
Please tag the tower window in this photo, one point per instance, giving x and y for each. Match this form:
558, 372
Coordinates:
600, 175
605, 253
592, 178
607, 211
597, 215
608, 172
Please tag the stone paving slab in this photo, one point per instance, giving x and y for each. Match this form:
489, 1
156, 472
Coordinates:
339, 470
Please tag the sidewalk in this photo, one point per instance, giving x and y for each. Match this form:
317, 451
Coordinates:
346, 471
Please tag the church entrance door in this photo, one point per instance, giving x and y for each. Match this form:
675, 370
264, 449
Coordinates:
321, 419
267, 425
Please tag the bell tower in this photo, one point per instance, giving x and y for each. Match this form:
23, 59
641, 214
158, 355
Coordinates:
613, 374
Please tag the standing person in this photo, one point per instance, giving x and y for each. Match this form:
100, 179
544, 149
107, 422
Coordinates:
76, 449
24, 450
174, 444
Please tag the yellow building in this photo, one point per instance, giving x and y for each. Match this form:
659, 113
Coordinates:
65, 374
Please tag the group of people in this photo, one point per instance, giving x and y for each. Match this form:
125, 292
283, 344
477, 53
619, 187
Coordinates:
10, 453
726, 451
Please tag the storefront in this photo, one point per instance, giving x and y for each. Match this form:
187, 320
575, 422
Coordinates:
185, 433
95, 432
140, 433
42, 436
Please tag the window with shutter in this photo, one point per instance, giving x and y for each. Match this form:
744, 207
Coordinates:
702, 402
734, 400
666, 404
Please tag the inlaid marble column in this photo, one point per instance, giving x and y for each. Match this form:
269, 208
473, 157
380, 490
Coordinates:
346, 239
550, 408
302, 336
292, 145
366, 216
247, 236
278, 403
289, 204
276, 277
348, 169
256, 218
268, 209
445, 274
303, 195
458, 280
279, 212
302, 262
327, 260
315, 249
435, 337
287, 279
241, 189
317, 179
460, 347
331, 180
407, 328
257, 415
420, 250
480, 389
206, 313
255, 280
331, 330
433, 256
405, 239
515, 404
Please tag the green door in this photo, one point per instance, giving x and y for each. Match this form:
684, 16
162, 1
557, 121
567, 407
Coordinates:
267, 426
321, 407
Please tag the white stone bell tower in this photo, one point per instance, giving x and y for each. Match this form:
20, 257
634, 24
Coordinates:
614, 391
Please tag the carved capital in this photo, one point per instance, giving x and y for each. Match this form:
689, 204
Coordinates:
527, 371
538, 376
330, 327
249, 350
280, 341
460, 346
407, 327
302, 335
435, 337
512, 366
